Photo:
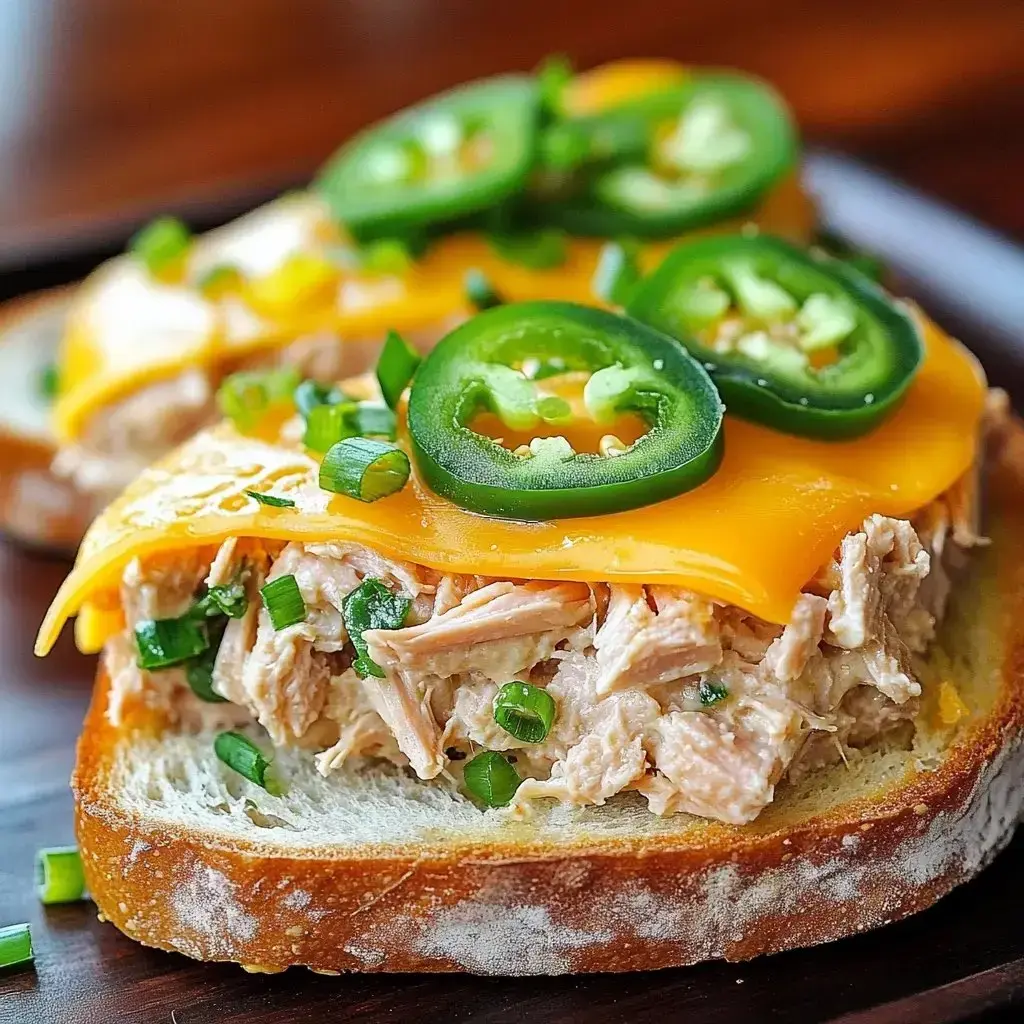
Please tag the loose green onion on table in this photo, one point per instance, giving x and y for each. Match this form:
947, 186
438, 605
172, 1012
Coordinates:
15, 945
371, 606
491, 778
241, 754
271, 500
524, 711
59, 877
479, 290
367, 470
283, 601
161, 243
395, 368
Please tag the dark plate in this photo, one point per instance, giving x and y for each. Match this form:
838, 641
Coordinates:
961, 959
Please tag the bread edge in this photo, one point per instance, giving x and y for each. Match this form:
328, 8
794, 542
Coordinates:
615, 905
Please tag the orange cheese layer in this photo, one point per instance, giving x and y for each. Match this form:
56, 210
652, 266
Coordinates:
98, 367
751, 536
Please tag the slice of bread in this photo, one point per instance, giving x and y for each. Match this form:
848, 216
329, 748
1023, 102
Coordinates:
375, 870
36, 507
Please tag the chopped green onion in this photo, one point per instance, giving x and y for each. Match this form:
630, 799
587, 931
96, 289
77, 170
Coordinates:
270, 499
370, 419
219, 280
553, 75
395, 368
59, 877
491, 778
617, 273
241, 754
326, 425
711, 693
371, 606
311, 393
224, 599
49, 381
537, 250
246, 397
199, 673
524, 711
161, 243
283, 601
15, 945
386, 256
364, 469
479, 290
165, 642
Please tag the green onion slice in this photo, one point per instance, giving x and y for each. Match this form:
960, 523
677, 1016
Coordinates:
371, 606
246, 397
161, 243
370, 419
311, 393
491, 778
15, 945
241, 754
617, 273
224, 599
271, 500
218, 278
553, 75
395, 368
199, 670
326, 425
480, 293
59, 877
711, 693
386, 256
524, 711
537, 250
364, 469
49, 382
283, 601
163, 643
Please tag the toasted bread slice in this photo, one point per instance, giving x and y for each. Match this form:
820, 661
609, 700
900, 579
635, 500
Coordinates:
375, 870
36, 507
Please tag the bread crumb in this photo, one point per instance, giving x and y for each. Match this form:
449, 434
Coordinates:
296, 929
920, 809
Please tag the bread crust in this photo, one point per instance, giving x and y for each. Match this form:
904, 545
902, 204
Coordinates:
36, 507
614, 904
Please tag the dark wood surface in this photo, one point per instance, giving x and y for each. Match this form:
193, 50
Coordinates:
114, 108
111, 108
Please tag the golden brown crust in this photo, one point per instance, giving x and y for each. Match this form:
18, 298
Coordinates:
35, 507
611, 905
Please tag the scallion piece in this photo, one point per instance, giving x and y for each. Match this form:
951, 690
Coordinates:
369, 419
711, 693
395, 368
224, 599
326, 425
491, 778
524, 711
283, 601
241, 754
371, 606
59, 877
163, 643
49, 381
311, 393
161, 243
479, 290
553, 75
219, 280
199, 670
15, 945
617, 273
364, 469
537, 250
246, 397
386, 256
271, 499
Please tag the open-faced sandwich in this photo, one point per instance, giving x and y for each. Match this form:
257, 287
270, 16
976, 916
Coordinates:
556, 665
505, 187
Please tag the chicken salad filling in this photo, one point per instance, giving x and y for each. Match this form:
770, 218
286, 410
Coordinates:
699, 706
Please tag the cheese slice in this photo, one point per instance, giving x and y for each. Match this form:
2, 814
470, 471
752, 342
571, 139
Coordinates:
752, 535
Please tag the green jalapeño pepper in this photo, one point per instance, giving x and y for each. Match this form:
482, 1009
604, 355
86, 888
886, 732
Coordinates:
450, 156
484, 366
793, 338
697, 153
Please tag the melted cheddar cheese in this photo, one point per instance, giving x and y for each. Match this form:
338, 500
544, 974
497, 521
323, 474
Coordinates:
752, 535
127, 329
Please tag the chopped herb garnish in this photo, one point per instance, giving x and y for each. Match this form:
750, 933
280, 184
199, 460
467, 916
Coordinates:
367, 470
283, 601
524, 711
271, 499
491, 778
163, 643
161, 243
49, 381
371, 606
241, 754
711, 693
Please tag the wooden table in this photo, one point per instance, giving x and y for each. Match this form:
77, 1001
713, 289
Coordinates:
114, 108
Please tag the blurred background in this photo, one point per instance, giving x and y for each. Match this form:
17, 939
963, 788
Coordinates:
112, 109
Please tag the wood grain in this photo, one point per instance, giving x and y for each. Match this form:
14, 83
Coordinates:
115, 106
